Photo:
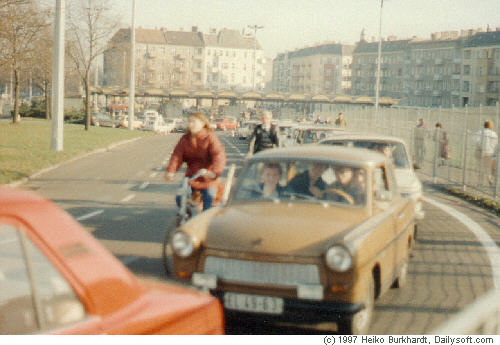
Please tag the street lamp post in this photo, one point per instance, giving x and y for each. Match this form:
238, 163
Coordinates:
56, 143
255, 28
377, 87
131, 94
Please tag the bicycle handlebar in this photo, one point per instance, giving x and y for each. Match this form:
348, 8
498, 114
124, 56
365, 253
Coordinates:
201, 172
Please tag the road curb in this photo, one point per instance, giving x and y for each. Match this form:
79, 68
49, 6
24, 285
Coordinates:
476, 198
73, 159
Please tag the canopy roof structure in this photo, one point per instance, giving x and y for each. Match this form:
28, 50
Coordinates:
242, 96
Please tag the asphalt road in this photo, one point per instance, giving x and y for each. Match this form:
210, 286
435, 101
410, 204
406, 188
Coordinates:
121, 197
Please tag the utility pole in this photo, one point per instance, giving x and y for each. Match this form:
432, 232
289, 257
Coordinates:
377, 88
131, 93
58, 79
254, 70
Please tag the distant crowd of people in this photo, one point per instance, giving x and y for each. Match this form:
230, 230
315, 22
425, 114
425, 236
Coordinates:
484, 141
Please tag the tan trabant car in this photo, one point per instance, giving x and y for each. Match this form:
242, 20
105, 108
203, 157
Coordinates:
310, 234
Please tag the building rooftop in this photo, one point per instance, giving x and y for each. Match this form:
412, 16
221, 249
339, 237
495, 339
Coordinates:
227, 38
149, 36
184, 38
484, 39
387, 46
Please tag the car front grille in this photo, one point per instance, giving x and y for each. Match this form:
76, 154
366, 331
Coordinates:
271, 273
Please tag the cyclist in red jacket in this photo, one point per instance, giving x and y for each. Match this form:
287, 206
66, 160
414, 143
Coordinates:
200, 149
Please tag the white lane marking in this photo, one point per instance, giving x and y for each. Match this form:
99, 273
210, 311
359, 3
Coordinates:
153, 174
231, 144
89, 215
487, 242
128, 198
144, 185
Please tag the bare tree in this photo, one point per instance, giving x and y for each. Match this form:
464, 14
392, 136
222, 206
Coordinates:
41, 65
21, 24
90, 25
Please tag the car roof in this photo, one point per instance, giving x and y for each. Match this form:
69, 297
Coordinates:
357, 156
364, 136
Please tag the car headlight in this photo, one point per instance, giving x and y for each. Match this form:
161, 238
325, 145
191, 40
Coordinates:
338, 258
182, 244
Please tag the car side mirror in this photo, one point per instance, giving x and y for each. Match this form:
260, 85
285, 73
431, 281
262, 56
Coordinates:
383, 195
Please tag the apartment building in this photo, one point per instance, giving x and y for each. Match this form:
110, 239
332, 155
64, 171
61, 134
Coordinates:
185, 59
321, 69
433, 72
481, 69
449, 69
233, 61
281, 73
364, 68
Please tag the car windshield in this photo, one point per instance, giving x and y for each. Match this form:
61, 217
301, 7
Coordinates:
302, 181
394, 150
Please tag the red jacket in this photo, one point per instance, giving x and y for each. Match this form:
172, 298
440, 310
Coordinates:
204, 150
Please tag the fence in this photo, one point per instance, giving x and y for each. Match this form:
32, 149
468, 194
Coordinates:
463, 167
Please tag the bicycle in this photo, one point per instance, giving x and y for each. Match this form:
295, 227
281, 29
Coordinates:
189, 206
185, 210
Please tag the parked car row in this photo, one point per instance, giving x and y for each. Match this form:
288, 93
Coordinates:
150, 120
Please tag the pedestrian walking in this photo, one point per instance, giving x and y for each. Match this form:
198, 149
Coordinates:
340, 121
486, 145
419, 143
264, 135
443, 148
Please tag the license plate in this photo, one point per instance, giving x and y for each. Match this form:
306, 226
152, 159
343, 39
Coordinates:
253, 303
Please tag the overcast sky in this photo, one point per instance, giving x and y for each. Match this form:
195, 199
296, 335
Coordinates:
290, 24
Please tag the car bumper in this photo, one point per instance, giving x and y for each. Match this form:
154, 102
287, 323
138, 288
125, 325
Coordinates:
299, 311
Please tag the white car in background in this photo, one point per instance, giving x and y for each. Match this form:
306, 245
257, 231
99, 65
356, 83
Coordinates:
155, 122
408, 182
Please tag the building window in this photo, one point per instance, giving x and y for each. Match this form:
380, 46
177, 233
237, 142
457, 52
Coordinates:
466, 86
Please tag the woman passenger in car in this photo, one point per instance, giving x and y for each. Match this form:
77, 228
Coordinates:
270, 177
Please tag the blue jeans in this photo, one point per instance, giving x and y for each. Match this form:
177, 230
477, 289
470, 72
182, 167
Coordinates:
207, 196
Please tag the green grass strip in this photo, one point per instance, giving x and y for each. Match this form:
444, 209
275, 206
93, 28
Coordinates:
25, 146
